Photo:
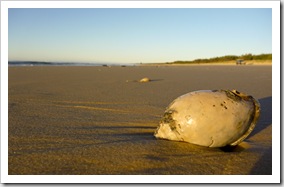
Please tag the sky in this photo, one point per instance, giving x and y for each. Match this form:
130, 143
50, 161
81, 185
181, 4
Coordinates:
136, 35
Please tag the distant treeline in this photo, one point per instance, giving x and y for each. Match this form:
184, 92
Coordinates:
228, 58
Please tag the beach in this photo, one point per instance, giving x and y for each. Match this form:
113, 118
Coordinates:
65, 120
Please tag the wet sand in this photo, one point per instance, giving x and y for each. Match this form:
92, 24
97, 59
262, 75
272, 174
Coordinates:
100, 120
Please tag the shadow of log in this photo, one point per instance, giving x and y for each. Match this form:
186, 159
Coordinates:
153, 80
265, 118
228, 148
264, 164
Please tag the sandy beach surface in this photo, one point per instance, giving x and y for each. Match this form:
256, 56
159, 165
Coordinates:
100, 120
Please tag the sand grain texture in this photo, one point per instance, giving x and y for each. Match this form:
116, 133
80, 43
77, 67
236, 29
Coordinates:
90, 120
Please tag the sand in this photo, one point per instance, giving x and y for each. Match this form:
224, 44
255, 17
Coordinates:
100, 120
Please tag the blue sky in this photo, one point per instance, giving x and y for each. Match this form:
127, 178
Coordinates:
136, 35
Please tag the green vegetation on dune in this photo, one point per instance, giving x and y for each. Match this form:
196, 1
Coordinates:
227, 58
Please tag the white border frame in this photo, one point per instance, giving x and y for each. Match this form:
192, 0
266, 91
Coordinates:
275, 178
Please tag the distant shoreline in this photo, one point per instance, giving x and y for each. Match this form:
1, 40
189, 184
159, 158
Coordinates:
227, 63
39, 63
